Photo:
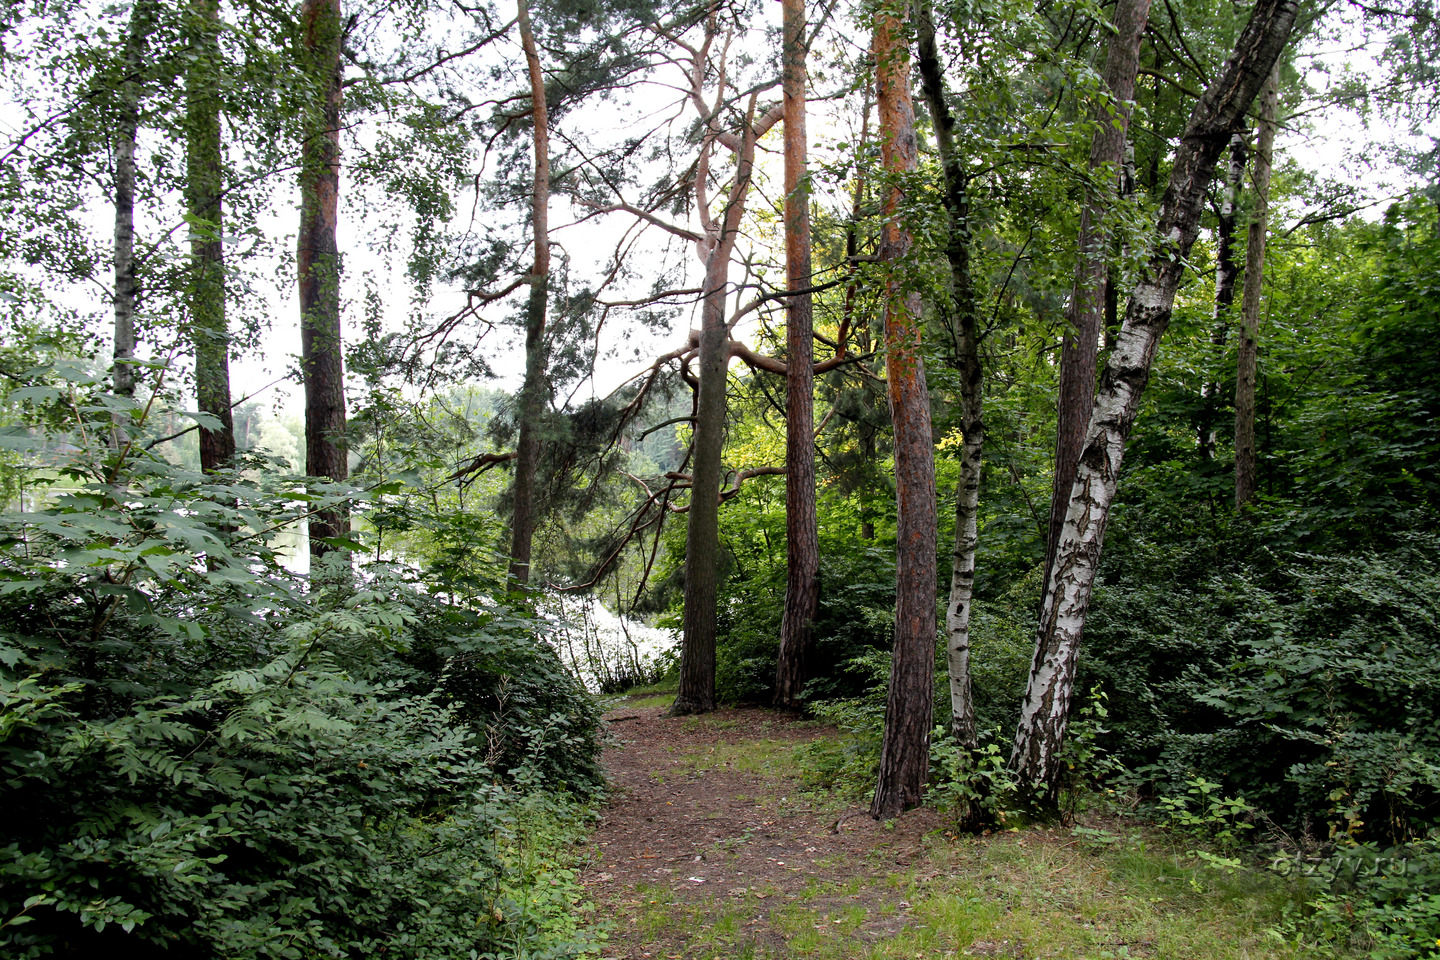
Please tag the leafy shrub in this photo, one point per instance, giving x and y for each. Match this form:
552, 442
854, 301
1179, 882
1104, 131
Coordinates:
975, 786
1309, 683
849, 764
1384, 901
207, 755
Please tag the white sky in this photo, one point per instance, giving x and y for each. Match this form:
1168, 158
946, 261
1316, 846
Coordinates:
1335, 144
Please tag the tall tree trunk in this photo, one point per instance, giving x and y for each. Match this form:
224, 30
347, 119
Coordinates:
131, 91
534, 392
905, 748
1216, 118
321, 360
696, 692
1246, 458
802, 537
865, 427
1086, 314
967, 355
1225, 273
204, 184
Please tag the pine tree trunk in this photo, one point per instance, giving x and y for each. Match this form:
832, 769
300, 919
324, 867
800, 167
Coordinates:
905, 748
318, 265
204, 185
802, 538
533, 393
1225, 273
1246, 456
967, 355
1087, 300
131, 90
1216, 118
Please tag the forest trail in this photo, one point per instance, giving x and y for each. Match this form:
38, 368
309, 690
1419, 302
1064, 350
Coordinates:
710, 824
712, 847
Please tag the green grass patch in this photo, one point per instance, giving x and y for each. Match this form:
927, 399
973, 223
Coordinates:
667, 687
1033, 893
662, 700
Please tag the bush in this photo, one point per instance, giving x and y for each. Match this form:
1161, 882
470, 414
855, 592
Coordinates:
206, 755
1384, 901
1309, 683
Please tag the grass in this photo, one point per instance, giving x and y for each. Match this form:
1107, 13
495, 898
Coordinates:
1126, 890
1026, 894
660, 694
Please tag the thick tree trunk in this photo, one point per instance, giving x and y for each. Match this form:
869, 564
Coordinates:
1246, 457
1086, 314
1216, 118
534, 392
905, 749
318, 266
696, 693
204, 185
1225, 273
802, 538
131, 90
967, 355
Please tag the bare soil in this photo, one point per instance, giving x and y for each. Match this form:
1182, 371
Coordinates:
692, 822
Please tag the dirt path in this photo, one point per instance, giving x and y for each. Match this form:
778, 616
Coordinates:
709, 816
711, 849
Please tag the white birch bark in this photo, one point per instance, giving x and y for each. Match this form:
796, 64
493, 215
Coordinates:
1219, 114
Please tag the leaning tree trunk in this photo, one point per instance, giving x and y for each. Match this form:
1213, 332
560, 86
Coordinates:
126, 289
1216, 118
802, 537
967, 355
696, 693
533, 392
318, 266
905, 747
1246, 457
204, 185
1225, 273
1086, 315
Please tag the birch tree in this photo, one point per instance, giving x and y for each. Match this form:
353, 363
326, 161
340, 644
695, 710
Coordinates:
967, 352
1086, 314
1220, 114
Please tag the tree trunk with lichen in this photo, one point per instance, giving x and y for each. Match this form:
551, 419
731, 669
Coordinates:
533, 392
204, 185
1247, 361
123, 256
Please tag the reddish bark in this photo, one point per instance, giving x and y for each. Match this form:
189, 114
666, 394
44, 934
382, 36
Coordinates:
802, 538
905, 748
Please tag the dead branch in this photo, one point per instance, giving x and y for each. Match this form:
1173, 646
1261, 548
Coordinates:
482, 463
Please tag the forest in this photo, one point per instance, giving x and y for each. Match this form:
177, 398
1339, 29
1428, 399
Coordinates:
1035, 403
